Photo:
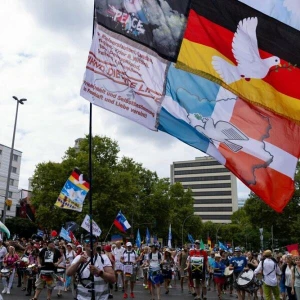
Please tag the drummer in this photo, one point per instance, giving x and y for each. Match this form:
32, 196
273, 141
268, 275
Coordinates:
48, 260
238, 263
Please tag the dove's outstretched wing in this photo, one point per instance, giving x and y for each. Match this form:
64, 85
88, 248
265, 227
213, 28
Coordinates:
232, 133
244, 44
227, 71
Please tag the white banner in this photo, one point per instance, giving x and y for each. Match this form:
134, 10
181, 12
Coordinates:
86, 225
123, 78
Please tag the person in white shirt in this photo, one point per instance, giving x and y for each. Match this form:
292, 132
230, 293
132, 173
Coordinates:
270, 269
129, 259
118, 252
101, 269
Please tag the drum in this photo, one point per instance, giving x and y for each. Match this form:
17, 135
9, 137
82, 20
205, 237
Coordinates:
5, 272
60, 271
197, 266
245, 278
118, 267
128, 269
31, 270
228, 272
46, 274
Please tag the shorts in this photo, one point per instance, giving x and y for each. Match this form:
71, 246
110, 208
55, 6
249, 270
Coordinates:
131, 278
219, 280
45, 281
167, 274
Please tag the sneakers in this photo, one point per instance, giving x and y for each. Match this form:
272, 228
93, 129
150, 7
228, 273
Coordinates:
131, 295
125, 296
4, 290
8, 291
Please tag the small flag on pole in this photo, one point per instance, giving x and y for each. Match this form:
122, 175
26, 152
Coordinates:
138, 239
202, 246
170, 238
65, 234
121, 222
147, 237
191, 239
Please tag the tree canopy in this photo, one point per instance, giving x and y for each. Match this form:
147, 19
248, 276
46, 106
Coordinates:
117, 184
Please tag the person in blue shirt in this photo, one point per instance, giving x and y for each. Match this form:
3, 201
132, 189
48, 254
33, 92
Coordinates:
218, 271
237, 263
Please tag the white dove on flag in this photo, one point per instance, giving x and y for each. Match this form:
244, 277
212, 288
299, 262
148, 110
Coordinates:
221, 131
246, 53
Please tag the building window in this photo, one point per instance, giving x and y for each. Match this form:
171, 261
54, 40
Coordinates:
212, 209
7, 207
203, 178
14, 170
15, 157
212, 201
207, 186
10, 194
11, 181
200, 171
197, 164
212, 193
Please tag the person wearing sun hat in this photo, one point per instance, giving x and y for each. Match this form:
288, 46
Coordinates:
237, 263
218, 273
270, 269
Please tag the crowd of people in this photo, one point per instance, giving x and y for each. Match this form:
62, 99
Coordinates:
110, 267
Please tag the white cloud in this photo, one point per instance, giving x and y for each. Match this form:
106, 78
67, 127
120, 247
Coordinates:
43, 53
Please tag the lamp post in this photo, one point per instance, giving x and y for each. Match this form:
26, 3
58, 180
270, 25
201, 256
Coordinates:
183, 226
19, 101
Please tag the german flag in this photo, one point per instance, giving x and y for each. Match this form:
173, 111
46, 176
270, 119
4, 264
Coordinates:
249, 53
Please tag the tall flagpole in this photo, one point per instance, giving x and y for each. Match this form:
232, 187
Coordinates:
109, 231
91, 176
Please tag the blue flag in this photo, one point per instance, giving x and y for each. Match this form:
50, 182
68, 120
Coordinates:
192, 241
170, 237
222, 246
138, 239
40, 233
147, 236
65, 234
155, 239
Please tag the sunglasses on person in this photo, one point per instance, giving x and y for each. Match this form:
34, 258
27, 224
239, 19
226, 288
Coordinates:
88, 241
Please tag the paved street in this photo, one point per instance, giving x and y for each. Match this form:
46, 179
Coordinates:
140, 293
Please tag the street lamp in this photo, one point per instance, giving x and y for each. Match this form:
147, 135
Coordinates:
19, 101
183, 226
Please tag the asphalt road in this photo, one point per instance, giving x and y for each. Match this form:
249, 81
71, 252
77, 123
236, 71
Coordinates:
140, 293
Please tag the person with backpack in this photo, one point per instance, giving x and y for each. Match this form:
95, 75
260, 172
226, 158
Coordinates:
129, 259
269, 268
155, 273
101, 270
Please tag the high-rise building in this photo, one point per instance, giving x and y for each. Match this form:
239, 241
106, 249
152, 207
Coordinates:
213, 186
13, 192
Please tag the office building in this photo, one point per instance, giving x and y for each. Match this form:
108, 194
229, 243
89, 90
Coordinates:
13, 193
214, 187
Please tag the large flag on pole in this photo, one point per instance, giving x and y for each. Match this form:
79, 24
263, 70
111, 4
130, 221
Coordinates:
258, 146
138, 239
74, 192
121, 222
246, 51
170, 237
147, 236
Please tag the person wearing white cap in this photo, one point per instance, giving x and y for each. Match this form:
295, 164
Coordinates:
129, 258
